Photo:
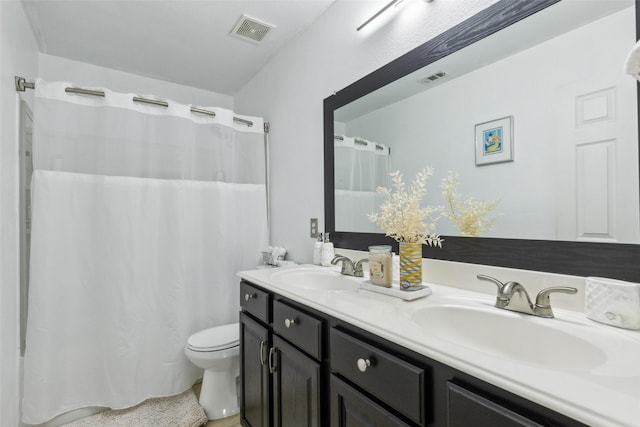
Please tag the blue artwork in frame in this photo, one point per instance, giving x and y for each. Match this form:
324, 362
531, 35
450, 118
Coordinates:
494, 141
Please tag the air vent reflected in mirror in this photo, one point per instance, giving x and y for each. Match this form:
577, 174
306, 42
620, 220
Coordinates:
432, 78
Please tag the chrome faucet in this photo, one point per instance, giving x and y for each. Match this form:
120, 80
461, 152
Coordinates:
348, 267
513, 296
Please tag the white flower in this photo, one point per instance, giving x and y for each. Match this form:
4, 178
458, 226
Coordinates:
402, 216
467, 214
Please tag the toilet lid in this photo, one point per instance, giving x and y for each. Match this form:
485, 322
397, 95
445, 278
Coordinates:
217, 338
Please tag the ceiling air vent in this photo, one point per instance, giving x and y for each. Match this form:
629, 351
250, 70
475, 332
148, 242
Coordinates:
251, 29
432, 78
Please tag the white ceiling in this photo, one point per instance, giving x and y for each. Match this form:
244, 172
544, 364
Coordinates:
181, 41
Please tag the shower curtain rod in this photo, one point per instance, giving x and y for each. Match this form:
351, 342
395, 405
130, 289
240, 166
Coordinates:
22, 85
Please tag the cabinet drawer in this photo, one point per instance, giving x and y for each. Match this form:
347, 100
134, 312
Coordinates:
394, 381
254, 301
299, 328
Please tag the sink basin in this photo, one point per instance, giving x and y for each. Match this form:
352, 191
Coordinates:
551, 343
316, 279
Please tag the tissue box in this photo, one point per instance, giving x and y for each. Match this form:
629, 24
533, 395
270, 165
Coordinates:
613, 302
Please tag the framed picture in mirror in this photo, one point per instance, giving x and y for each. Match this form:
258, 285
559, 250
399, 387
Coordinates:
494, 141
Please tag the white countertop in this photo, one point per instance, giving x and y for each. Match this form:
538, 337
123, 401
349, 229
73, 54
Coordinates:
600, 387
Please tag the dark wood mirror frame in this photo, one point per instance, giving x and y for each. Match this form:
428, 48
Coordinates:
618, 261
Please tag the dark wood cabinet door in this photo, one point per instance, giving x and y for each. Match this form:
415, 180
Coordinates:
296, 387
255, 408
467, 408
350, 408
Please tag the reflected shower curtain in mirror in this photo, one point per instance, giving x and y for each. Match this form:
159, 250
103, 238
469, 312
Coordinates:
142, 215
361, 167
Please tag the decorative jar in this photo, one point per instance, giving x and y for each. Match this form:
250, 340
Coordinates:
380, 266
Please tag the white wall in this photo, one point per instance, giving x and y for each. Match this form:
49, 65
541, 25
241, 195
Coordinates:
54, 68
289, 91
18, 56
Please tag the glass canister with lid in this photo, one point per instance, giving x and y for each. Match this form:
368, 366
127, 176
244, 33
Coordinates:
380, 265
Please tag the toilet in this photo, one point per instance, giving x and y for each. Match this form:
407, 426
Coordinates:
216, 351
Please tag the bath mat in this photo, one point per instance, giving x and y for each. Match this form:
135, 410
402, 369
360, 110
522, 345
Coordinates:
181, 410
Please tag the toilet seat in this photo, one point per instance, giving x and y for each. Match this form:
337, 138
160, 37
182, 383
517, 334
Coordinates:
215, 339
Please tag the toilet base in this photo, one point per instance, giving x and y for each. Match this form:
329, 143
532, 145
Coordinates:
219, 393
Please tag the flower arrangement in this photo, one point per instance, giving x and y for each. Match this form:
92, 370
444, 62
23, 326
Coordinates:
468, 214
402, 216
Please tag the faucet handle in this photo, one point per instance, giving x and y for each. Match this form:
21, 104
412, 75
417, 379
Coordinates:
336, 259
498, 283
357, 270
347, 264
543, 304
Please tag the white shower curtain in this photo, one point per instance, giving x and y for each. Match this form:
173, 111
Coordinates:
142, 215
361, 167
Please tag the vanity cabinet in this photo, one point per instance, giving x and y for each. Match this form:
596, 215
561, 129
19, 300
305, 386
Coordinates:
302, 367
280, 363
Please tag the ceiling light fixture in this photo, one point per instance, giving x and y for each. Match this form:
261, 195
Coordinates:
381, 11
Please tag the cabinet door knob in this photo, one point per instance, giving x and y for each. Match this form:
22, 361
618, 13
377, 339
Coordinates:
363, 364
289, 322
247, 297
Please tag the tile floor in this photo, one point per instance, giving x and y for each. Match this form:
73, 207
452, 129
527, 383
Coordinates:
233, 421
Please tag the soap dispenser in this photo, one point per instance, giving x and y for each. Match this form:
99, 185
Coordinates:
328, 253
317, 250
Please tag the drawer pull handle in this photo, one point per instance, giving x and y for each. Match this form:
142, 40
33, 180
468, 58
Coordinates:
363, 364
247, 297
289, 322
263, 358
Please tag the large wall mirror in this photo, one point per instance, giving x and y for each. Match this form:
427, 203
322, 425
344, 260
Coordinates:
567, 176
